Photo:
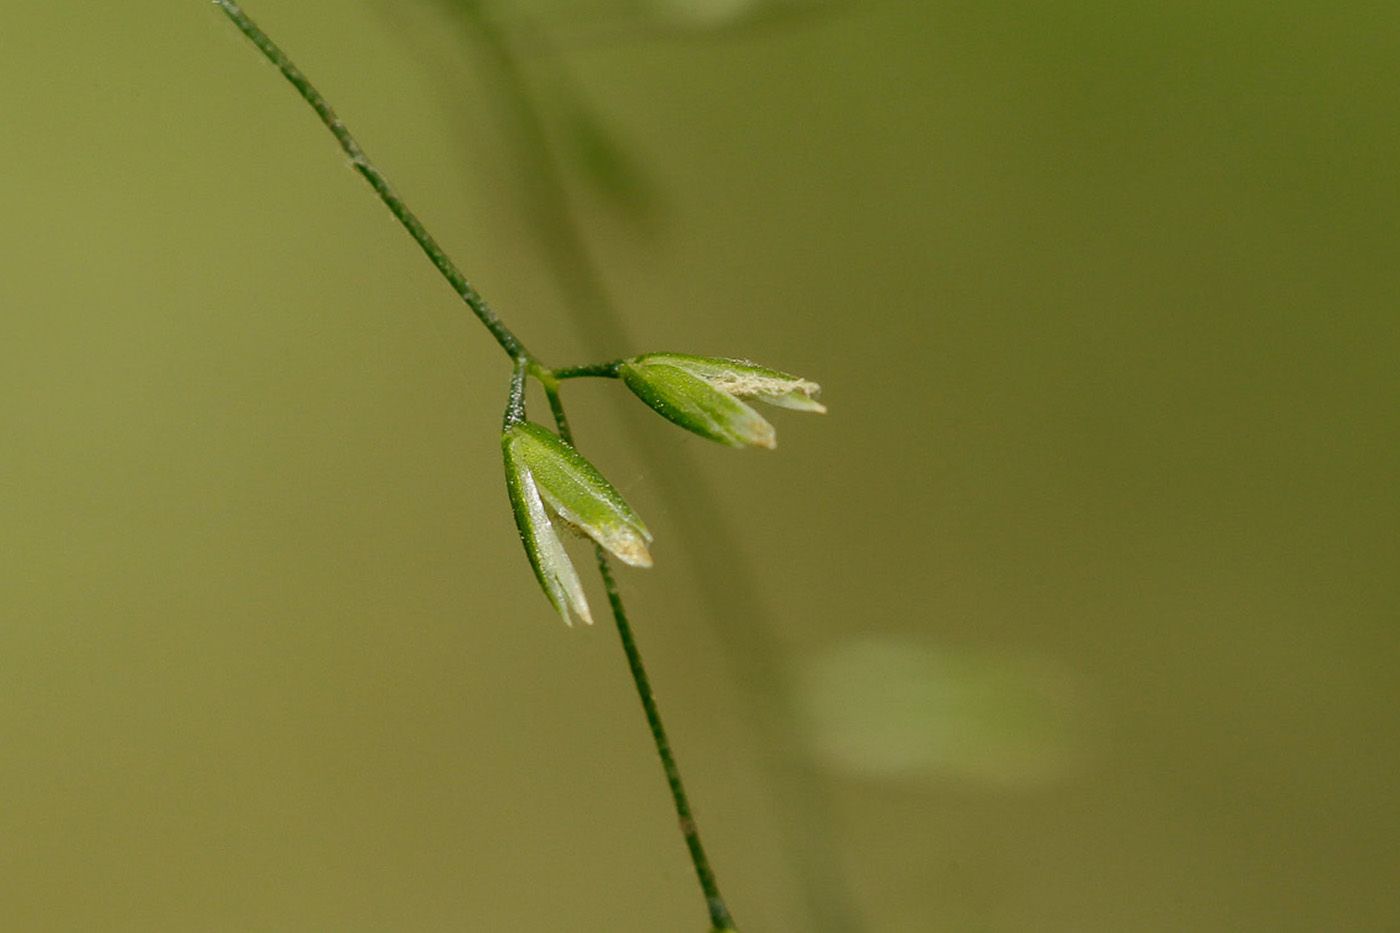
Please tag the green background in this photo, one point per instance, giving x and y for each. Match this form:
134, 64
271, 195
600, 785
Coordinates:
1077, 612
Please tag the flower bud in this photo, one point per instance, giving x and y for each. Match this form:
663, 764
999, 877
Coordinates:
544, 475
704, 394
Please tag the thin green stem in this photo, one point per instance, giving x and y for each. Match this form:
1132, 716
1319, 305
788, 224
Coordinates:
556, 407
525, 365
720, 918
719, 913
503, 334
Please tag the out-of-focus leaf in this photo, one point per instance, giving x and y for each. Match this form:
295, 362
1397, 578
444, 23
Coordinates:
886, 708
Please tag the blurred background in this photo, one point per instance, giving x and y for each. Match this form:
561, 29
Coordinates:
1077, 612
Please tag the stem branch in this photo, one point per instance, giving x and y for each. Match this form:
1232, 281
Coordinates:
602, 370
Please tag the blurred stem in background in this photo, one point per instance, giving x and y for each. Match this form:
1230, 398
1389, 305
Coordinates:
710, 543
